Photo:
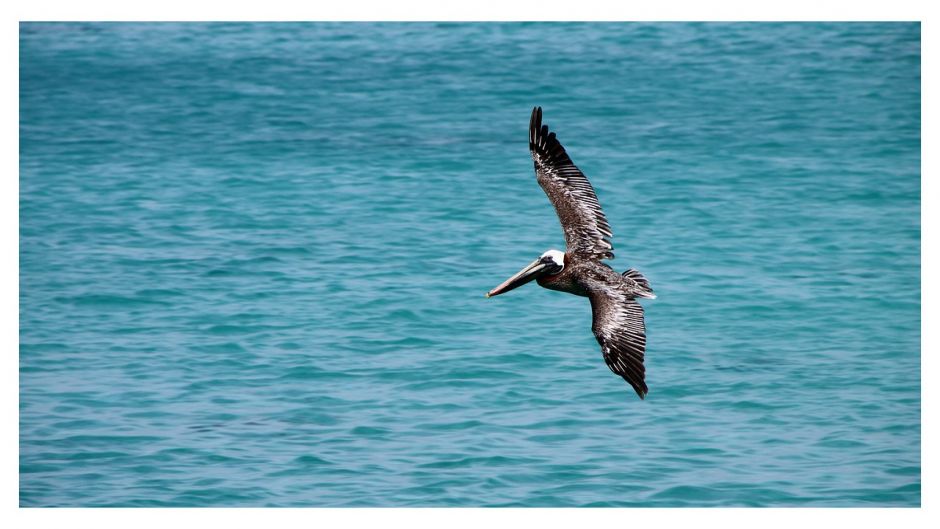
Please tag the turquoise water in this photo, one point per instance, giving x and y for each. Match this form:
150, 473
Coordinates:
253, 259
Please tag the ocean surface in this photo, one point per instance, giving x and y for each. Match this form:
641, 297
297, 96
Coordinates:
253, 259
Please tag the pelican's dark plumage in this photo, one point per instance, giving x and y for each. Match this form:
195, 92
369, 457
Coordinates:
618, 318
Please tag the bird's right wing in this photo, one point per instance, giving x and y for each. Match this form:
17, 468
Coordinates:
586, 230
619, 328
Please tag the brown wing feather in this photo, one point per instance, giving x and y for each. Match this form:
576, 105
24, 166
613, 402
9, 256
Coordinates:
619, 328
586, 230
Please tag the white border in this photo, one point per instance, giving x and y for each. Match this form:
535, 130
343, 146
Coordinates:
795, 10
447, 518
486, 10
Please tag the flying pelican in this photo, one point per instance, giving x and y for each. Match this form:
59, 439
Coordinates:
618, 318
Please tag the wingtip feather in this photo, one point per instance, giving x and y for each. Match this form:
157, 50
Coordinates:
640, 388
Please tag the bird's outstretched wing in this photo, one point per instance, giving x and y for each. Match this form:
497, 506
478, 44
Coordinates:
619, 328
586, 230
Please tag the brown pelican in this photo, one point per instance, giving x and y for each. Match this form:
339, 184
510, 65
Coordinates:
618, 318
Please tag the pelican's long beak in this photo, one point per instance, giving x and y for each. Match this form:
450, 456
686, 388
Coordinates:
522, 277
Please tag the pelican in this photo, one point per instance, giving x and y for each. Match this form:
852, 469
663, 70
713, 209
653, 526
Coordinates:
618, 318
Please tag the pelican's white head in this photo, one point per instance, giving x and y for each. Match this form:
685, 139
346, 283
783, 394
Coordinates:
557, 257
549, 263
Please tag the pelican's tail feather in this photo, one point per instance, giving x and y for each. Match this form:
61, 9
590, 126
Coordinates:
641, 287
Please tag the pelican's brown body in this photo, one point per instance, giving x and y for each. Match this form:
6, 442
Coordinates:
618, 321
580, 276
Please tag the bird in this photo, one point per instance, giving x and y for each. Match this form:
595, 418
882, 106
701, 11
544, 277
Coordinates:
618, 322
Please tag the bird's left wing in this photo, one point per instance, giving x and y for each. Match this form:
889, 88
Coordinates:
619, 328
586, 229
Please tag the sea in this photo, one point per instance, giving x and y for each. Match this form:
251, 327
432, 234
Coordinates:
253, 259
